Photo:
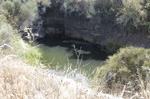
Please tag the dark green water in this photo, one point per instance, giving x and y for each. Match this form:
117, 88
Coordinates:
62, 53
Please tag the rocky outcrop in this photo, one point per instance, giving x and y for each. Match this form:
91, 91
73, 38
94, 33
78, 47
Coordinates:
103, 30
27, 34
54, 21
36, 30
100, 29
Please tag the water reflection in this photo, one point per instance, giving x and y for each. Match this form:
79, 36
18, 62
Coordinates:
77, 53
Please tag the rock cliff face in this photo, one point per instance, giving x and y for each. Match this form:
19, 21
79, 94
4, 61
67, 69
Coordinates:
54, 22
100, 29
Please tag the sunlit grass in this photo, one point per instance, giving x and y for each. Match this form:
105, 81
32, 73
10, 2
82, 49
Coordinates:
29, 53
21, 81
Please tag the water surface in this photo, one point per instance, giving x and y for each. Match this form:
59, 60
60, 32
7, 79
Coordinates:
64, 53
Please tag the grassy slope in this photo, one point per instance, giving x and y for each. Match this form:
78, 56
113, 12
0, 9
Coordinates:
18, 80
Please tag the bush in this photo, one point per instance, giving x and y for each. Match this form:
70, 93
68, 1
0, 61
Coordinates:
3, 15
20, 13
132, 12
124, 67
107, 6
6, 33
147, 21
82, 7
26, 14
18, 5
6, 30
9, 6
10, 36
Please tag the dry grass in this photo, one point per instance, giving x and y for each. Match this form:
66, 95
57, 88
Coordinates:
21, 81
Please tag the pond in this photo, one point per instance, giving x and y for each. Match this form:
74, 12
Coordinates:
71, 54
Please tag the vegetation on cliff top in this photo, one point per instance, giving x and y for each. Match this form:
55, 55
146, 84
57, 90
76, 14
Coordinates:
126, 12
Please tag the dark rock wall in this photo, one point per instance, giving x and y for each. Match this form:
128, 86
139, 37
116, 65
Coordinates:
54, 22
100, 29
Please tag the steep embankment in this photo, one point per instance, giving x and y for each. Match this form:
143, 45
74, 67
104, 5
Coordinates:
19, 80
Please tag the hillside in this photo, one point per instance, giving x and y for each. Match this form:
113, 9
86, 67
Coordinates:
119, 28
22, 81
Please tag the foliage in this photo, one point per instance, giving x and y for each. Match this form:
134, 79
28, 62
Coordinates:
30, 54
102, 5
125, 67
113, 45
147, 22
9, 6
6, 33
126, 12
20, 13
131, 12
9, 10
83, 7
6, 30
107, 6
18, 5
45, 2
24, 10
3, 14
27, 15
148, 25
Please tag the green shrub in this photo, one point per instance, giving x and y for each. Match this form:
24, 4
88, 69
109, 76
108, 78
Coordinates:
26, 15
9, 10
107, 6
103, 4
6, 30
6, 33
18, 5
27, 52
147, 21
83, 7
3, 15
25, 12
9, 6
132, 12
125, 67
20, 13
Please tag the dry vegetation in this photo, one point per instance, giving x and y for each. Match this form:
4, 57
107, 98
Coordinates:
126, 73
21, 81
